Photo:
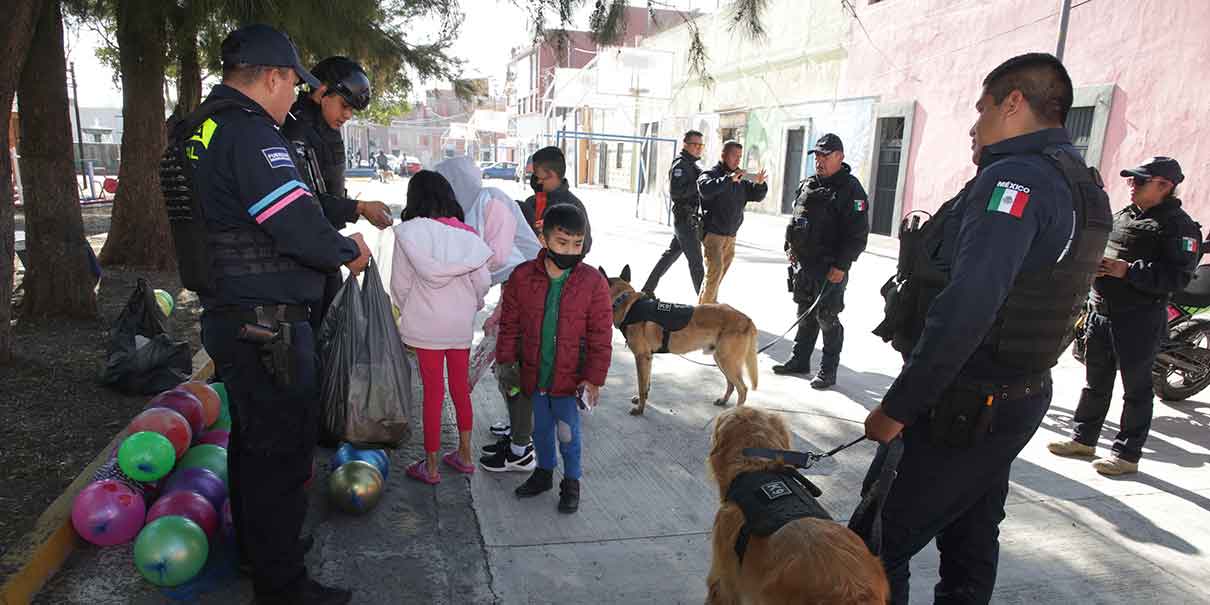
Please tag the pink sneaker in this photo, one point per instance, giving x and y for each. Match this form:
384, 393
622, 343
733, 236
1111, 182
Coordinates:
453, 460
420, 472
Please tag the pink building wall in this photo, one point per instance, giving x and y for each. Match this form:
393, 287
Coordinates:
1156, 53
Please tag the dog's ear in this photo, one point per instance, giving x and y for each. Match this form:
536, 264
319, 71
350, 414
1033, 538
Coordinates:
602, 270
625, 276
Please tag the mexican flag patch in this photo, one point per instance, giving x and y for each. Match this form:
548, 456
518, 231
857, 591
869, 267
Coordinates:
860, 205
1009, 198
1188, 244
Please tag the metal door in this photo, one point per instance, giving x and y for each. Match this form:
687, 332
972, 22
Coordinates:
793, 174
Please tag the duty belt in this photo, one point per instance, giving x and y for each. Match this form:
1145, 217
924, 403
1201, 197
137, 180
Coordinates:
1019, 388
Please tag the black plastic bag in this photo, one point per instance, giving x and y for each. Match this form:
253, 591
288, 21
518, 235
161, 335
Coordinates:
367, 380
142, 359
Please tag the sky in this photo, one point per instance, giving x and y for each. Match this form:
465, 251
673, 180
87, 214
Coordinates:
489, 30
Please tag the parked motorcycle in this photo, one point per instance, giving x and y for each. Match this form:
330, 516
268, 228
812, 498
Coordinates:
1182, 365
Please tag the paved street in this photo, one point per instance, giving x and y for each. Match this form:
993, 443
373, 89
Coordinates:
642, 533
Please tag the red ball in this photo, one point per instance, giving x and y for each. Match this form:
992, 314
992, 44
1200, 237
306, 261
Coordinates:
167, 422
211, 404
191, 505
184, 403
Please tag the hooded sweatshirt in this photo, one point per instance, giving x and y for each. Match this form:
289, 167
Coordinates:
493, 214
439, 277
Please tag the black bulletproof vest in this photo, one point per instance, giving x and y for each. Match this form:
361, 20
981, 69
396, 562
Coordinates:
204, 256
669, 316
1136, 236
1036, 322
771, 499
814, 223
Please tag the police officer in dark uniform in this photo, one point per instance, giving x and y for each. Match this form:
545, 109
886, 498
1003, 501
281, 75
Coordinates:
1153, 252
313, 127
254, 243
827, 232
686, 215
1019, 252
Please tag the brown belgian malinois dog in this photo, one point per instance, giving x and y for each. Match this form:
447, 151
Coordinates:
718, 329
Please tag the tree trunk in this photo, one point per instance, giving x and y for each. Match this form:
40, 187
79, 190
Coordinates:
58, 281
189, 74
138, 233
16, 31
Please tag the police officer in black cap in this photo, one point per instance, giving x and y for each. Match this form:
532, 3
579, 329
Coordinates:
827, 232
1017, 252
313, 127
252, 240
1153, 252
686, 214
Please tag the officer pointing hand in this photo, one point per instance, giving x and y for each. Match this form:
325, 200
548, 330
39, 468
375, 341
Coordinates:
378, 213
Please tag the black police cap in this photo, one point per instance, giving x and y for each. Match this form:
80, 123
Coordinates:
1159, 166
260, 44
827, 144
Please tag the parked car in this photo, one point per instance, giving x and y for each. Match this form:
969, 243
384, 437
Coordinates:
500, 170
412, 163
522, 176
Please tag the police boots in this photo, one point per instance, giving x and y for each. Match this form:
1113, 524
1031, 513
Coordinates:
541, 481
824, 379
569, 495
796, 365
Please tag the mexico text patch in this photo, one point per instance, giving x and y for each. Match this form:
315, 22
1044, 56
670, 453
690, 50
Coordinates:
278, 157
1009, 198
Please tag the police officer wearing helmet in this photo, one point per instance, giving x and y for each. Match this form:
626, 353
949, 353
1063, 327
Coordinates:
1152, 253
313, 127
252, 240
1018, 252
686, 214
827, 232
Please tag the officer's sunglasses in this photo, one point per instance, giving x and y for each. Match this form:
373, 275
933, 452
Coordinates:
1140, 181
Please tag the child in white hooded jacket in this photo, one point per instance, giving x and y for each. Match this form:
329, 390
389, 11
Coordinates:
439, 277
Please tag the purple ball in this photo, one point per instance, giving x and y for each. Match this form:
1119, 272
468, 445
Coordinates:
108, 512
200, 480
217, 437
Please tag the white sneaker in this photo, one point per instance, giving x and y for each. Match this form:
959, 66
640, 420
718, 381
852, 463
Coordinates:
1114, 466
1070, 447
501, 429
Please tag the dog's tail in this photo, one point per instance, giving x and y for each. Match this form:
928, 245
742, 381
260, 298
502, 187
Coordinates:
751, 360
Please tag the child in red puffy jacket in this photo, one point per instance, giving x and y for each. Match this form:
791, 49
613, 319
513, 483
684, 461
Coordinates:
555, 339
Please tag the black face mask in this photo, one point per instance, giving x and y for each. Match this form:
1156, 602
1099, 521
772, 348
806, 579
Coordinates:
564, 261
535, 184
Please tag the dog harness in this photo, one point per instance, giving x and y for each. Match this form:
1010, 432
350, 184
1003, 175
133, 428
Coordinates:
669, 317
771, 499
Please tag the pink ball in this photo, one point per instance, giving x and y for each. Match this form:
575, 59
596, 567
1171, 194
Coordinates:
185, 404
108, 512
191, 505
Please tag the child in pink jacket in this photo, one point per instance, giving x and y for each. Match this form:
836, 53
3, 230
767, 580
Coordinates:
439, 277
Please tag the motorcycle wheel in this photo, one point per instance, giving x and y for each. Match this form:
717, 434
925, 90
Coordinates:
1175, 384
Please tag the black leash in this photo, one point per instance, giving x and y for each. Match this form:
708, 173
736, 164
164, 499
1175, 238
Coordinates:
797, 459
779, 338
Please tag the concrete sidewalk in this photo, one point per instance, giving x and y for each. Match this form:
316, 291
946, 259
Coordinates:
642, 533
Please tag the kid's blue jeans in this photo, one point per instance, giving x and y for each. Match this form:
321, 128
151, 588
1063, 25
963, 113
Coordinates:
557, 418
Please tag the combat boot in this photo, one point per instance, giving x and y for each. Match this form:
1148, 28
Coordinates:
569, 495
541, 481
824, 379
796, 365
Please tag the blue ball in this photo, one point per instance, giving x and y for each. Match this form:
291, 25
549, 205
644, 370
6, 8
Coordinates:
347, 453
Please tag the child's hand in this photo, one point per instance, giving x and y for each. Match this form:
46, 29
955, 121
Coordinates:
592, 393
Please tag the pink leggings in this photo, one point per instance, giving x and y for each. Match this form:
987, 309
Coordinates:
431, 371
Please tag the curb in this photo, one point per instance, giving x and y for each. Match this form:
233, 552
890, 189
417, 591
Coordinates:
40, 553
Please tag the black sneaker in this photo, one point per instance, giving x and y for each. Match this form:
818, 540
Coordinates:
569, 495
541, 481
505, 460
497, 445
796, 365
824, 379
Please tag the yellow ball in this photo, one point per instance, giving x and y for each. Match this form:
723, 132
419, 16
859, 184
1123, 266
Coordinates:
355, 487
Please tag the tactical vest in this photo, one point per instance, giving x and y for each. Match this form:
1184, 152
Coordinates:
771, 499
669, 317
1036, 322
1135, 238
813, 230
202, 256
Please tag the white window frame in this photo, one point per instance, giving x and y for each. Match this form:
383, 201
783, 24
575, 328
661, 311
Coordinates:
898, 109
1100, 98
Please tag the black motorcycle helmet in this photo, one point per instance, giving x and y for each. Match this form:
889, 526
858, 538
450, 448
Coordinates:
346, 78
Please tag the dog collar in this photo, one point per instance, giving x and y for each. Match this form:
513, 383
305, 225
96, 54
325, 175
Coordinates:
617, 302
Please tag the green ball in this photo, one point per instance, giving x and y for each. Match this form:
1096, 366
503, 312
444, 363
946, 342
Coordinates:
146, 456
208, 456
221, 389
170, 551
222, 424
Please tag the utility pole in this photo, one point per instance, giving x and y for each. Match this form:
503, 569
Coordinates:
1064, 16
75, 99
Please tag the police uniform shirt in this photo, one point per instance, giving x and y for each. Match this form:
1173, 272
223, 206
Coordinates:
829, 225
247, 180
305, 124
1156, 276
682, 183
1016, 217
